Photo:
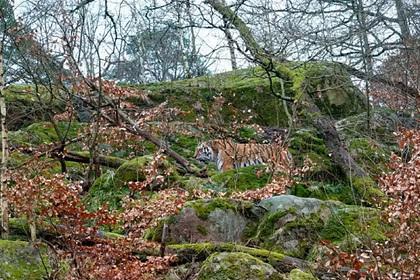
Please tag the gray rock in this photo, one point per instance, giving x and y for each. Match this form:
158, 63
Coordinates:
222, 225
300, 205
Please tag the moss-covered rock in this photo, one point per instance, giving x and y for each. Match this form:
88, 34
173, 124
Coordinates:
111, 187
330, 85
44, 133
241, 179
231, 266
368, 190
370, 155
291, 224
247, 92
297, 274
20, 260
351, 225
383, 123
205, 207
25, 105
295, 225
306, 145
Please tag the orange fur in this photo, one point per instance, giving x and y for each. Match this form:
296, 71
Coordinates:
228, 154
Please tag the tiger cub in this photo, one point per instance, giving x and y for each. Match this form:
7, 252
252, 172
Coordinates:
228, 154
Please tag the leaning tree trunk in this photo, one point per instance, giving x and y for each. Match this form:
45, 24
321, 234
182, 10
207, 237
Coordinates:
323, 123
4, 154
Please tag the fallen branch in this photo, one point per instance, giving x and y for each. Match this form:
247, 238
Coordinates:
83, 157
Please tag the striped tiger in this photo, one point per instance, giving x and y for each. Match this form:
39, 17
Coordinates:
228, 154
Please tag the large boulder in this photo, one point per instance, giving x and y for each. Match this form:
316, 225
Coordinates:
294, 225
216, 220
291, 224
244, 93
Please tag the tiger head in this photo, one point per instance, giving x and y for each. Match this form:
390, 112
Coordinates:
204, 153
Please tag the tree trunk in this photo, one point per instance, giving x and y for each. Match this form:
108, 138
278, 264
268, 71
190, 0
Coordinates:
323, 123
231, 46
366, 52
4, 154
402, 21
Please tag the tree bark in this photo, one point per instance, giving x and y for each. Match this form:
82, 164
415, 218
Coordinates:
323, 123
4, 154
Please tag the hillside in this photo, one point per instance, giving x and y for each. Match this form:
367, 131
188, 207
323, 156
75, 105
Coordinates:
100, 191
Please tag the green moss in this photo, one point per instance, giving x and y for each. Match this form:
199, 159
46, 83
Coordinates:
327, 191
278, 228
370, 155
103, 191
331, 88
297, 274
201, 229
19, 229
151, 234
19, 260
306, 144
368, 190
204, 207
247, 133
16, 158
155, 234
238, 265
241, 179
351, 221
305, 230
132, 170
112, 235
247, 92
44, 133
184, 145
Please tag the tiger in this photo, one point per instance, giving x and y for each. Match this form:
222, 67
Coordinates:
230, 155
